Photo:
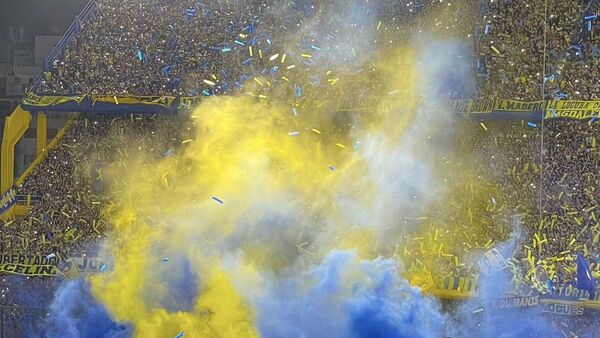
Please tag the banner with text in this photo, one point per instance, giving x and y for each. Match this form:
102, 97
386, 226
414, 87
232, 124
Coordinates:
50, 265
9, 198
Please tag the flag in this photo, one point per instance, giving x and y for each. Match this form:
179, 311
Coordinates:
550, 286
585, 281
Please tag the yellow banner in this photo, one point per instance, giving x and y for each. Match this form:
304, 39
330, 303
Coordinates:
44, 101
155, 100
572, 105
51, 265
519, 106
28, 270
472, 106
571, 114
76, 266
28, 259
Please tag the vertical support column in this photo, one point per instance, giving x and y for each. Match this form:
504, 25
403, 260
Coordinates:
14, 128
42, 120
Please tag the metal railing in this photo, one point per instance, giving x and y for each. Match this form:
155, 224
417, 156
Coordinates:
57, 52
28, 200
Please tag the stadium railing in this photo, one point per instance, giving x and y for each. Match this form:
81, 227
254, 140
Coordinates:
59, 49
28, 200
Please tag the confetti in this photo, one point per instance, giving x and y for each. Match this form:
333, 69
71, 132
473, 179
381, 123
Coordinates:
317, 131
165, 259
294, 133
180, 335
209, 82
218, 200
102, 267
50, 256
483, 126
306, 56
332, 168
274, 57
532, 124
340, 145
186, 141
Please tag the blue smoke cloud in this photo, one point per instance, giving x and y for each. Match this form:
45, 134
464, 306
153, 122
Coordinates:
175, 283
494, 284
74, 313
346, 297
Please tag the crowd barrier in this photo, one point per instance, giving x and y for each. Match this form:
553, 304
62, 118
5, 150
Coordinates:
527, 110
478, 109
59, 49
101, 104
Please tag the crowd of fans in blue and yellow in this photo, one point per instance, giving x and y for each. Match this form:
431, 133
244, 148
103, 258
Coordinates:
188, 48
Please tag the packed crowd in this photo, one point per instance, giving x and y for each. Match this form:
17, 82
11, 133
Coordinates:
160, 48
518, 58
190, 48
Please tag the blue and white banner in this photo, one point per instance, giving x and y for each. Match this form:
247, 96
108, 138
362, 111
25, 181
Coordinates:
9, 198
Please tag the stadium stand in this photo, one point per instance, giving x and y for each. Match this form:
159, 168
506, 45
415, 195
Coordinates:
170, 48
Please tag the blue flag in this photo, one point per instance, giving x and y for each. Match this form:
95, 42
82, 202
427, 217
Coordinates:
585, 281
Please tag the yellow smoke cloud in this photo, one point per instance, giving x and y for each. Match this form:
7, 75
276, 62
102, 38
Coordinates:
293, 188
245, 153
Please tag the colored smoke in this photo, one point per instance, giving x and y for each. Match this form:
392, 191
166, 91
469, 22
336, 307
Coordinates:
75, 313
261, 236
